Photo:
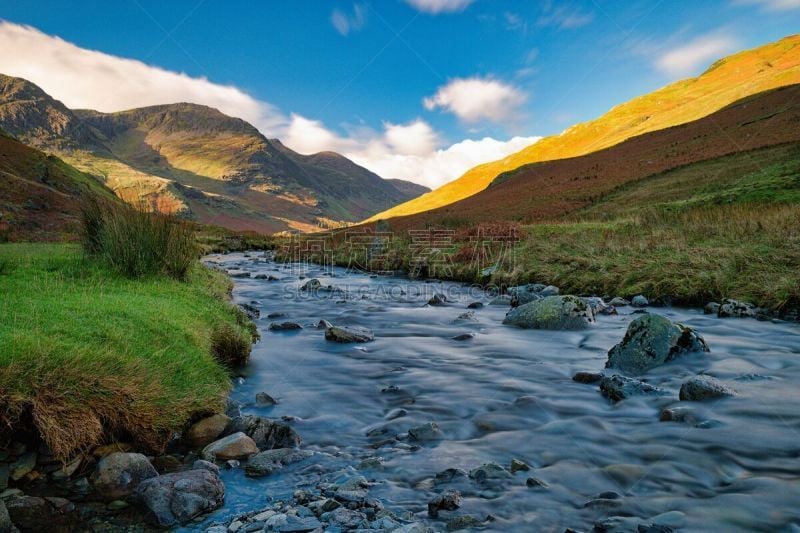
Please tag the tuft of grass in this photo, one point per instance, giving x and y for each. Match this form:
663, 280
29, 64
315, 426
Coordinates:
138, 242
88, 355
230, 346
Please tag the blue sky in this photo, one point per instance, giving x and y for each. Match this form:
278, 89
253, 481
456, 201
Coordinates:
341, 74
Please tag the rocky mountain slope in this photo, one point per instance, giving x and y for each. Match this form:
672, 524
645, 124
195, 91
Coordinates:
725, 82
196, 161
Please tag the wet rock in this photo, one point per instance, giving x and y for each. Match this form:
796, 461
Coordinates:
285, 326
252, 312
617, 388
396, 413
599, 306
501, 300
735, 308
206, 431
437, 299
459, 523
587, 377
234, 274
348, 334
165, 464
324, 324
371, 463
118, 474
464, 337
448, 475
235, 446
31, 513
288, 523
639, 301
65, 472
519, 466
677, 414
533, 482
524, 294
346, 519
652, 340
269, 461
201, 464
276, 315
704, 387
489, 471
475, 305
265, 400
552, 312
711, 308
354, 490
177, 498
311, 285
448, 501
619, 302
470, 315
267, 434
426, 432
6, 525
23, 466
550, 290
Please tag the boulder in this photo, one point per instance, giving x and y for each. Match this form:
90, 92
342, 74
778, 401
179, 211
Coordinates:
426, 432
265, 400
23, 466
437, 300
348, 334
177, 498
704, 387
501, 300
640, 301
448, 501
617, 388
284, 326
587, 377
735, 308
552, 312
206, 431
32, 513
550, 290
475, 305
6, 525
269, 461
618, 301
711, 308
267, 434
311, 285
524, 294
354, 490
118, 474
652, 340
235, 446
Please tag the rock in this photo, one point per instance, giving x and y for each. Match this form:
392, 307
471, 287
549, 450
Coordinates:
437, 300
276, 315
269, 461
65, 472
118, 474
345, 519
285, 326
587, 377
371, 463
239, 274
617, 388
464, 337
348, 334
735, 308
711, 308
519, 466
524, 294
233, 408
448, 475
533, 482
599, 306
704, 387
6, 525
23, 466
550, 290
5, 471
252, 312
165, 464
31, 513
235, 446
177, 498
354, 490
619, 302
311, 285
677, 414
469, 315
652, 340
206, 431
463, 522
475, 305
552, 312
102, 451
448, 501
297, 524
265, 400
654, 528
267, 434
201, 464
639, 301
502, 300
489, 471
426, 432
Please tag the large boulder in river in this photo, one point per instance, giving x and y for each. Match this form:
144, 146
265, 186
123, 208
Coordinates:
704, 387
735, 308
552, 312
177, 498
348, 334
652, 340
267, 434
118, 474
235, 446
524, 294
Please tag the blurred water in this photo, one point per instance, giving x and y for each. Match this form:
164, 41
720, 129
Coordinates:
508, 393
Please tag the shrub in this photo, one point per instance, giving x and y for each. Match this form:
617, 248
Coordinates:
229, 346
138, 242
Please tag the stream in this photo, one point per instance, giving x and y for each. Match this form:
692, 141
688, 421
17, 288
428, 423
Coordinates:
508, 393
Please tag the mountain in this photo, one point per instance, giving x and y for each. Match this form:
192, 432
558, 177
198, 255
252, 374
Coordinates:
195, 161
552, 189
409, 188
725, 82
40, 195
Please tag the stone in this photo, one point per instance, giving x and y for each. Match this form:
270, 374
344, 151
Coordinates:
276, 314
489, 471
552, 312
652, 340
617, 388
235, 446
533, 482
239, 274
5, 471
587, 377
65, 472
469, 315
677, 414
371, 463
285, 326
599, 306
524, 294
437, 299
23, 466
251, 311
202, 464
619, 302
297, 524
426, 432
354, 490
550, 290
464, 337
475, 305
463, 522
265, 400
735, 308
704, 387
348, 334
269, 461
519, 466
311, 285
206, 431
31, 513
346, 519
447, 501
639, 301
711, 308
164, 464
118, 474
501, 300
6, 525
179, 497
267, 434
448, 475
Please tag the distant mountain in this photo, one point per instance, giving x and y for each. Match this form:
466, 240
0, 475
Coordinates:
194, 160
409, 188
646, 164
726, 81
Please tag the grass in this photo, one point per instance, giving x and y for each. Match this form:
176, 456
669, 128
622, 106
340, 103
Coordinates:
88, 355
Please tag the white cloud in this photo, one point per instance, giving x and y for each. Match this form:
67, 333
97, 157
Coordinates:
773, 5
345, 23
687, 59
562, 17
439, 6
476, 99
88, 79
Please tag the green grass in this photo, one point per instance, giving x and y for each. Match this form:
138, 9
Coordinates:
88, 355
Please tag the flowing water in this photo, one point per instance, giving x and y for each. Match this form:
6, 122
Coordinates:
508, 394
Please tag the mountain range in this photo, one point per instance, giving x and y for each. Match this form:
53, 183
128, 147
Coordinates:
195, 161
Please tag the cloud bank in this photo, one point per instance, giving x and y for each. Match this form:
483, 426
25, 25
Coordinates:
688, 59
435, 7
477, 99
413, 150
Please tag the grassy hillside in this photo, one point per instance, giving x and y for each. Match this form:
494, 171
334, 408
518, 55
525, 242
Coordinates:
728, 80
89, 354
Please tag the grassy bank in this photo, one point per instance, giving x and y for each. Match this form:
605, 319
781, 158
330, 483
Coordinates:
87, 354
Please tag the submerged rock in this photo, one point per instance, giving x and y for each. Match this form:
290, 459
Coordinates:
426, 432
265, 400
519, 466
489, 471
735, 308
503, 299
267, 434
640, 301
704, 387
464, 337
475, 305
711, 308
118, 474
587, 377
618, 301
437, 300
447, 501
552, 312
311, 285
618, 388
267, 462
652, 340
348, 334
524, 294
285, 326
206, 431
177, 498
235, 446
